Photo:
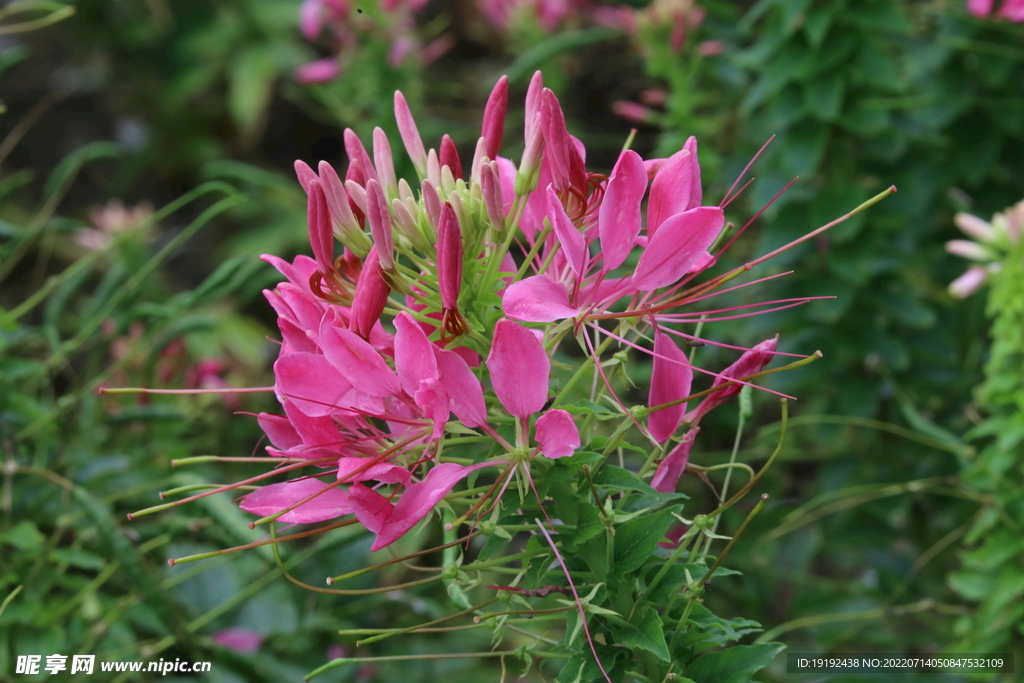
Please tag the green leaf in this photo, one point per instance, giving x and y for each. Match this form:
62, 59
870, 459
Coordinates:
733, 665
636, 540
645, 633
250, 87
24, 536
77, 558
817, 23
722, 631
619, 479
824, 98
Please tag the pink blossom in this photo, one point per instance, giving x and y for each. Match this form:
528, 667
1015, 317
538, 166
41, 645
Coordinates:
241, 640
320, 71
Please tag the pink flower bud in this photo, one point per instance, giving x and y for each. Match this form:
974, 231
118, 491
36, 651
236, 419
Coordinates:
666, 477
449, 257
433, 168
305, 174
360, 169
346, 226
631, 111
533, 105
384, 164
493, 128
490, 187
751, 362
432, 202
450, 156
379, 217
356, 195
410, 134
479, 157
371, 296
321, 235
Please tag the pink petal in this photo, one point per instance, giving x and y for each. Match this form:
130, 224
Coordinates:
420, 498
239, 639
307, 379
465, 395
574, 245
557, 434
279, 430
519, 368
414, 354
678, 245
538, 299
751, 362
619, 217
671, 190
352, 469
310, 19
298, 272
372, 509
357, 361
320, 71
268, 500
979, 8
314, 431
671, 378
666, 477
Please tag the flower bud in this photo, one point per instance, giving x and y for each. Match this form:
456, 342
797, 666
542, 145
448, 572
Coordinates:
432, 203
449, 257
410, 135
371, 296
384, 164
493, 128
450, 156
360, 169
490, 187
379, 217
346, 226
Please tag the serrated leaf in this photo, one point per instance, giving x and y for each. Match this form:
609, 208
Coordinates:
733, 665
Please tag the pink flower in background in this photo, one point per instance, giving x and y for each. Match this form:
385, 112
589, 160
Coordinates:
240, 640
1011, 10
334, 24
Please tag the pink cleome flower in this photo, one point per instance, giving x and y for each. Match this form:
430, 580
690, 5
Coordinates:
381, 346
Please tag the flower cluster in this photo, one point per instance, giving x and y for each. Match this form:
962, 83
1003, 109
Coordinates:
452, 299
992, 240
